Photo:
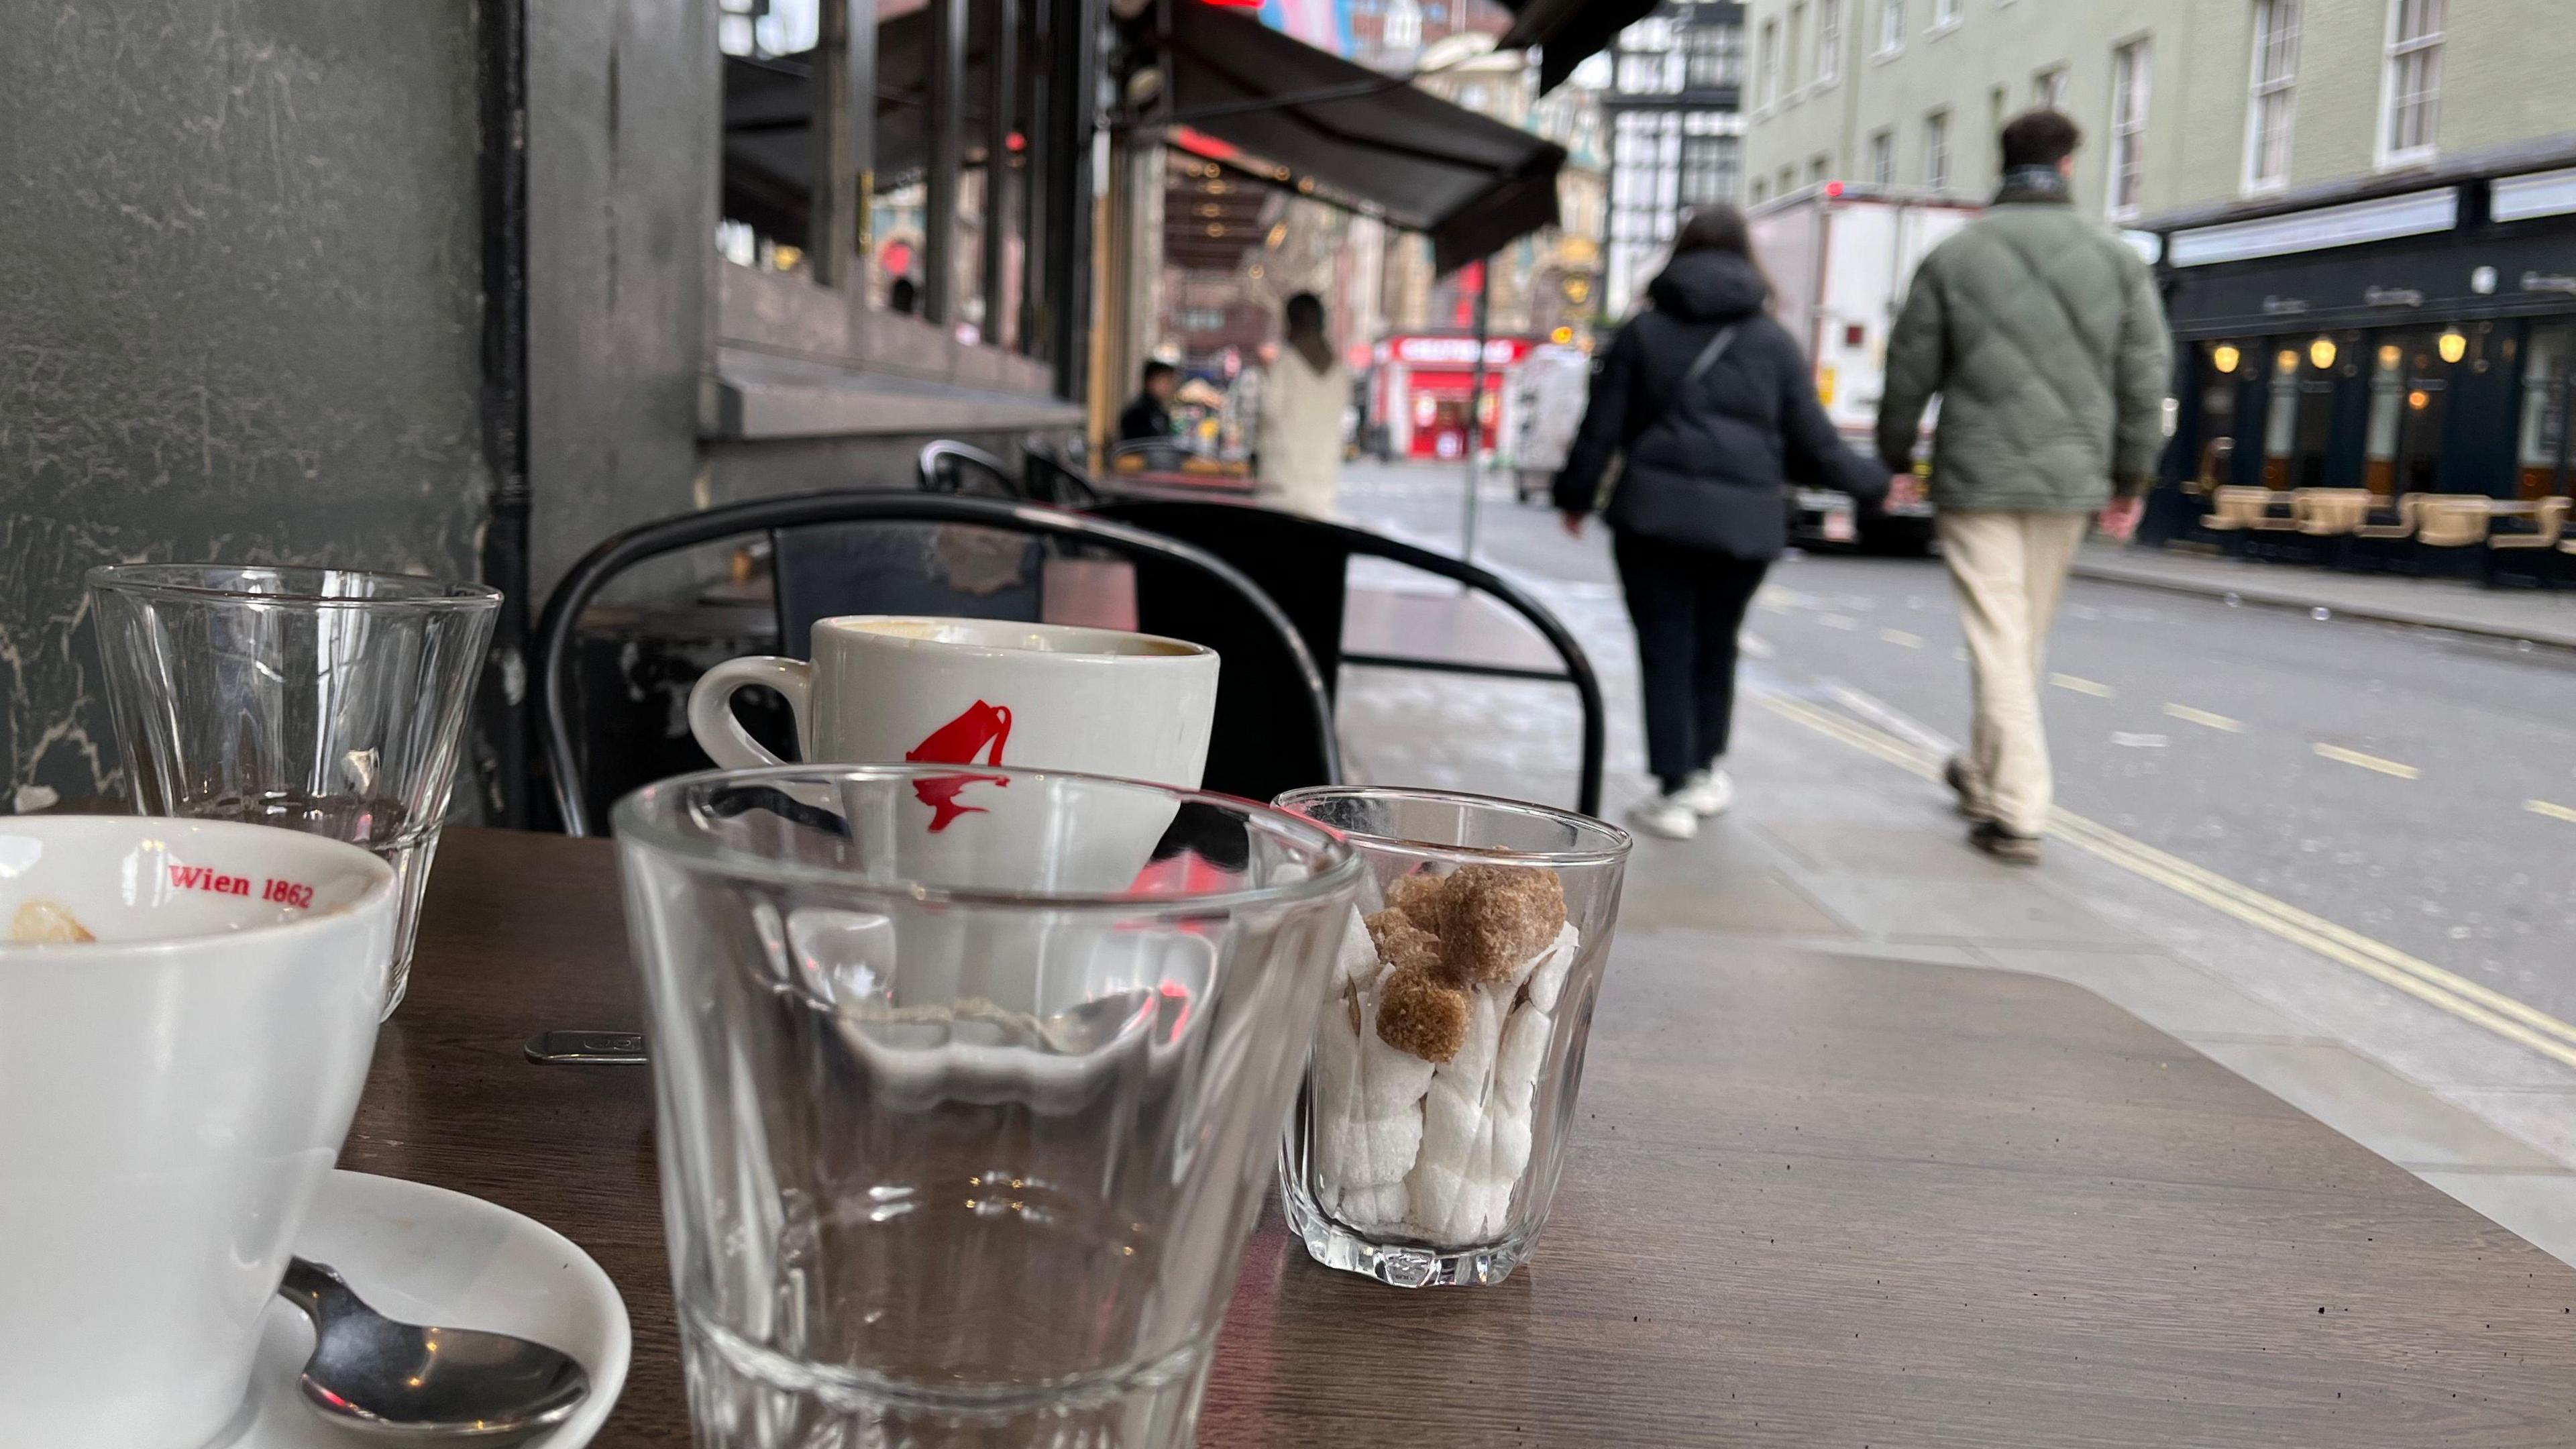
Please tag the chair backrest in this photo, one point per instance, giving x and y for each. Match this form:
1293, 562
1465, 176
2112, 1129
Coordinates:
2236, 504
2451, 521
948, 466
1302, 562
1299, 745
2330, 510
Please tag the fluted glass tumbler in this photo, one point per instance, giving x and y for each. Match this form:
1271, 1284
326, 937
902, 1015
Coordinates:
323, 700
1427, 1139
968, 1082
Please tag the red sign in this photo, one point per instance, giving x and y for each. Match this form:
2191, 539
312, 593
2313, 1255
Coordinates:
1458, 351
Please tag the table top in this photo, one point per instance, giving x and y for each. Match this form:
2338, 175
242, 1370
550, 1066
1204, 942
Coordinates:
1812, 1199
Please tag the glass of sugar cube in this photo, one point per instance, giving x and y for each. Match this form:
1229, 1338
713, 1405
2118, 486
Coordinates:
1439, 1091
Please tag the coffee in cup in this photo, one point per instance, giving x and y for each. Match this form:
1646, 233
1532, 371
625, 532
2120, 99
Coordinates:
187, 1010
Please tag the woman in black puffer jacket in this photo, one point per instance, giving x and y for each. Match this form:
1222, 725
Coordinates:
1714, 408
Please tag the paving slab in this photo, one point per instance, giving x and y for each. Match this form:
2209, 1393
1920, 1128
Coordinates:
2174, 997
2369, 1103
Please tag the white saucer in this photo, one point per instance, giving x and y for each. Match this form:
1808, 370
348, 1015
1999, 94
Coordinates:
427, 1255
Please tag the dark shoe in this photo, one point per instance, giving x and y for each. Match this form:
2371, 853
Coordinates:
1969, 786
2003, 845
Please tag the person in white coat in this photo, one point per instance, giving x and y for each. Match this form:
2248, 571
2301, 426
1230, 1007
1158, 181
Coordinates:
1302, 403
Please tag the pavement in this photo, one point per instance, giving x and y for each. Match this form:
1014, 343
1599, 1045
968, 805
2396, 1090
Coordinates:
2538, 616
2261, 941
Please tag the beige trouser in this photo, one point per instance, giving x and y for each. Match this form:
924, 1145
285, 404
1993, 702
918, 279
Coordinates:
2010, 568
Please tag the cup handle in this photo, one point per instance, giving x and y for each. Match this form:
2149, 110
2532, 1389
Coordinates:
711, 716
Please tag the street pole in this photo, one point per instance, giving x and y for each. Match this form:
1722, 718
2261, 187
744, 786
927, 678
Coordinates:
1476, 411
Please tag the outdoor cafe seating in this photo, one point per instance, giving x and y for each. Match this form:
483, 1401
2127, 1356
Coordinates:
2416, 532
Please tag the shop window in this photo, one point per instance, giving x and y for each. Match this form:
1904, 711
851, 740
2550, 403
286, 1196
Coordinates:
2281, 417
2541, 447
2410, 382
2386, 420
2222, 365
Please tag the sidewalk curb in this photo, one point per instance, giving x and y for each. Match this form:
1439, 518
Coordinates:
2291, 597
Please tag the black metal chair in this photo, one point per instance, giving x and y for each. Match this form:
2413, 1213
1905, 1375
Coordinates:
1302, 562
1289, 742
949, 466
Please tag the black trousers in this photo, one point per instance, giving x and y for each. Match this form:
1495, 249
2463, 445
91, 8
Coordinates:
1688, 604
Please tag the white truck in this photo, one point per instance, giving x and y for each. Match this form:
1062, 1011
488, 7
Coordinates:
1839, 257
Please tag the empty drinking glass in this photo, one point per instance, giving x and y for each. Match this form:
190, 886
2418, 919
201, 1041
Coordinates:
1425, 1146
968, 1083
321, 700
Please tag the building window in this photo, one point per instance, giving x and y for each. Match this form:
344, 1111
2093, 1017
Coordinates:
1770, 62
1715, 56
1797, 52
1788, 181
1882, 159
2048, 89
2267, 116
1936, 150
1829, 41
1944, 13
1708, 169
2129, 76
2543, 453
1891, 25
2411, 100
1817, 169
1761, 192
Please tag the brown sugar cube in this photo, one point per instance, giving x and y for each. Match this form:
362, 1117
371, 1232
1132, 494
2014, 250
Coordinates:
1494, 917
1418, 896
1401, 942
1419, 1015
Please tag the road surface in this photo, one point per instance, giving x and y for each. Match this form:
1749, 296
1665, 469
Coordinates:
2417, 787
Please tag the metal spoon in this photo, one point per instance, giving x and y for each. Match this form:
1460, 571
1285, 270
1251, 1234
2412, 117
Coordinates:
402, 1379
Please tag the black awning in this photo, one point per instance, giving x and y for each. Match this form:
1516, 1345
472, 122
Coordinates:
1469, 182
1568, 32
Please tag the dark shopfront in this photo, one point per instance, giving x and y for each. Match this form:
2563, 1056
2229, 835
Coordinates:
2398, 340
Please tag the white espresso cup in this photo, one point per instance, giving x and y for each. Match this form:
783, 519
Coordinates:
884, 689
172, 1090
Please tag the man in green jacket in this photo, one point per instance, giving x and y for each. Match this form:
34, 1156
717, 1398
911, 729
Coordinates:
2044, 337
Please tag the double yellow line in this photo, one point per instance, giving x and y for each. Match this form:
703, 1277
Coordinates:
2457, 995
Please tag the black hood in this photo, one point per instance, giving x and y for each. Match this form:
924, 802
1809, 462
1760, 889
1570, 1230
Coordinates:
1709, 286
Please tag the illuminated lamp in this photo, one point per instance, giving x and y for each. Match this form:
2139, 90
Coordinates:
2452, 345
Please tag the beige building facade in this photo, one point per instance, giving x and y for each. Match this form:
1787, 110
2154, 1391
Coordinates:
2184, 103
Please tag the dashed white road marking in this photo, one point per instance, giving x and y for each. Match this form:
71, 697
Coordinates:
1838, 621
2340, 755
1754, 646
2081, 685
2551, 809
1899, 636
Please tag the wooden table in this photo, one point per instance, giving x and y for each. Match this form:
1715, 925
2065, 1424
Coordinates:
1812, 1200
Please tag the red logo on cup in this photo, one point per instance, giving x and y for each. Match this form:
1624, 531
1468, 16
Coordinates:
983, 728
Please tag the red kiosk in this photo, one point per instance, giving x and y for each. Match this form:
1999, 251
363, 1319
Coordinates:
1420, 391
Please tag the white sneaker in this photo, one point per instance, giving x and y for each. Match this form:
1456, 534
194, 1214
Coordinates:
1667, 816
1706, 792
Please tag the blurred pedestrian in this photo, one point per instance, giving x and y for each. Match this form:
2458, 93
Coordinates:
1302, 402
1714, 408
1148, 416
2045, 339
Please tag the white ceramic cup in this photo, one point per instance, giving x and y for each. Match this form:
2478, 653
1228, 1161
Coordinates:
172, 1093
884, 689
